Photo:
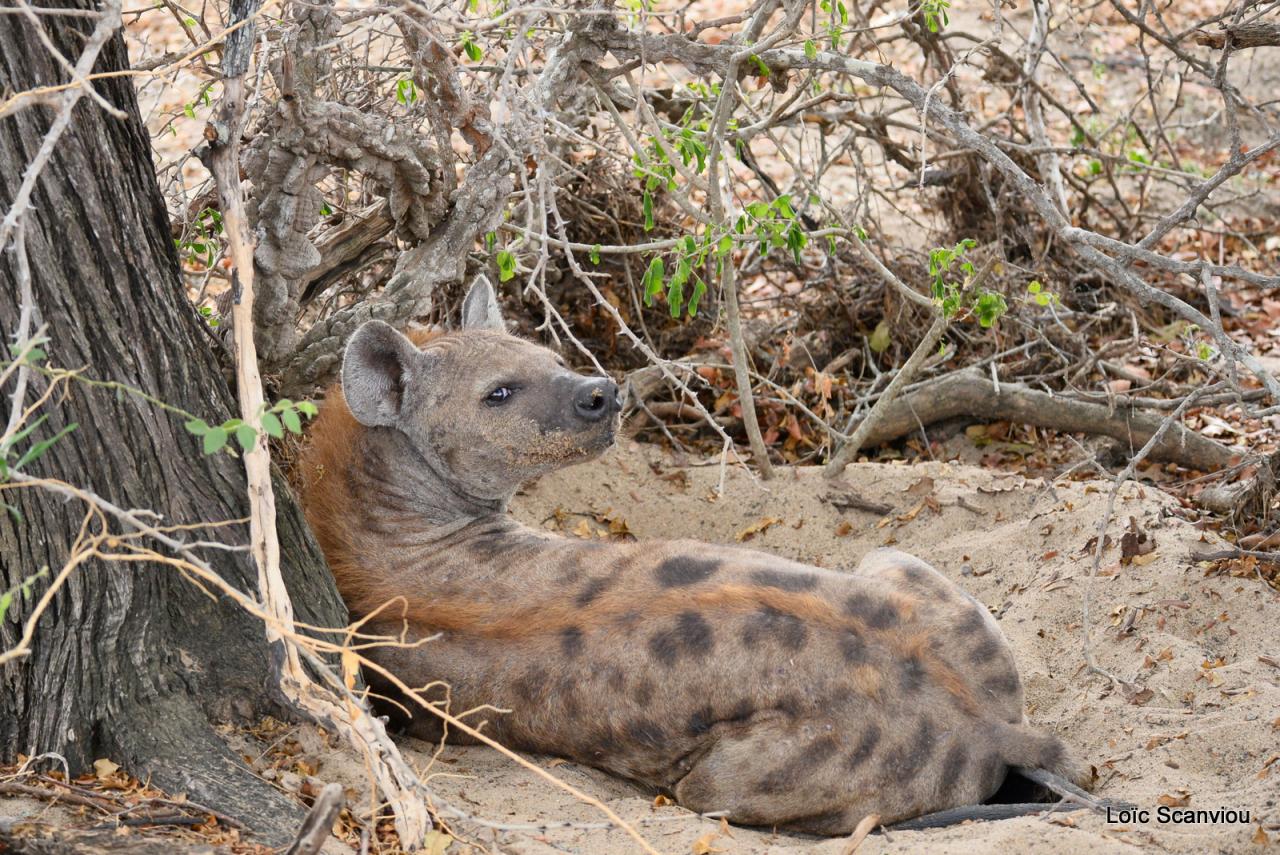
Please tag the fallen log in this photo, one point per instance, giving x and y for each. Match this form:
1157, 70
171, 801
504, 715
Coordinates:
970, 394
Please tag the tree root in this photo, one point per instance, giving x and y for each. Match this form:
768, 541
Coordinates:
170, 743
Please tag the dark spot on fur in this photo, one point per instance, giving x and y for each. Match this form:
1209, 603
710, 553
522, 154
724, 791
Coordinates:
852, 649
665, 646
530, 687
643, 692
1004, 684
647, 733
842, 696
913, 674
742, 711
685, 570
785, 580
972, 622
790, 774
877, 614
497, 541
617, 679
700, 722
953, 765
690, 638
907, 759
698, 637
593, 589
915, 574
820, 750
864, 749
986, 650
571, 641
789, 705
770, 623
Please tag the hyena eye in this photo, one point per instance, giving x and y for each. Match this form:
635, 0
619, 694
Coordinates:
499, 396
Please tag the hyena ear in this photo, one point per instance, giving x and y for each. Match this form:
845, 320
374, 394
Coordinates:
376, 371
480, 307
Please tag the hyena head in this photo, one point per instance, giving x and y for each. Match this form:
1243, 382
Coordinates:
488, 411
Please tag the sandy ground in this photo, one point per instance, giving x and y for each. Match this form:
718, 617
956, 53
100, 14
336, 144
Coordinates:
1203, 728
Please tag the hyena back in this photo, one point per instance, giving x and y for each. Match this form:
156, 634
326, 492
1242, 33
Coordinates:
785, 694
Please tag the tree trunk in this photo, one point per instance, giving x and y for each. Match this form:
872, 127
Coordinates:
131, 662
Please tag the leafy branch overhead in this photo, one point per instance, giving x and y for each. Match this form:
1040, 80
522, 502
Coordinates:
633, 174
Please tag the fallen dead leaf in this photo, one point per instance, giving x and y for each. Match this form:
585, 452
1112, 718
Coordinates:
702, 846
1181, 800
104, 768
759, 527
436, 842
923, 487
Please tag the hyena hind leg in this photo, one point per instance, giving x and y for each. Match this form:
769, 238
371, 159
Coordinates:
771, 772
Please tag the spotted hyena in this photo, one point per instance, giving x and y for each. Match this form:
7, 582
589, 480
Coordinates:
784, 694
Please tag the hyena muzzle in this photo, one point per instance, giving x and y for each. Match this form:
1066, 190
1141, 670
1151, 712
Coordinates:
784, 694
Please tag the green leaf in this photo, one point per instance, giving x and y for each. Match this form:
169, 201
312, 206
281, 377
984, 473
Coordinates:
291, 420
595, 254
989, 307
810, 49
197, 426
214, 440
308, 409
699, 288
15, 513
652, 281
1034, 286
880, 339
24, 433
271, 424
36, 451
246, 435
506, 265
470, 48
648, 211
406, 91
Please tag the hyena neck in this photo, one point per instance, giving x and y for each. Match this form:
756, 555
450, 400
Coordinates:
394, 476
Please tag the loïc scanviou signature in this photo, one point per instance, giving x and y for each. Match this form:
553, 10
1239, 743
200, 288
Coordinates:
1164, 815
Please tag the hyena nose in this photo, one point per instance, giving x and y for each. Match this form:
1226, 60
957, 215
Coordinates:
597, 399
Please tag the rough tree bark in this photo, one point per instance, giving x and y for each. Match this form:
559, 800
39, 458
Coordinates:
131, 662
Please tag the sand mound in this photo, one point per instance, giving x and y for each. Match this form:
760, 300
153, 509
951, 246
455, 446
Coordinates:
1200, 727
